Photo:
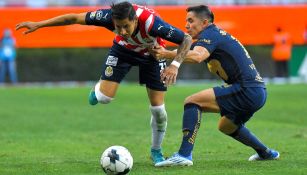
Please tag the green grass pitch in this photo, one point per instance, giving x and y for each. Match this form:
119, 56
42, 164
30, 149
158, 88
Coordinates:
54, 131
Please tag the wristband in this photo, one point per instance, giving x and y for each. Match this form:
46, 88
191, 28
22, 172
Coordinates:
175, 63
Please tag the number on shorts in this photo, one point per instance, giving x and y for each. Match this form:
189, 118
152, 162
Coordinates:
162, 65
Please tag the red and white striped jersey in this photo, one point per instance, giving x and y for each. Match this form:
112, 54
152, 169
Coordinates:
151, 29
142, 40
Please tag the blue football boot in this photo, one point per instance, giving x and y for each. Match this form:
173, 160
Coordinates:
156, 156
92, 98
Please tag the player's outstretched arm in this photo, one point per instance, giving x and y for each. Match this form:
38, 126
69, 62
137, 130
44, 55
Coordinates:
183, 49
62, 20
160, 52
169, 74
197, 55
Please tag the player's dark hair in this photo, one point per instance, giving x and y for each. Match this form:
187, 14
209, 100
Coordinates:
122, 11
202, 11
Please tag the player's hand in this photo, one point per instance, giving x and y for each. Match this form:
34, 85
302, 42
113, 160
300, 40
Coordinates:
169, 75
31, 26
157, 52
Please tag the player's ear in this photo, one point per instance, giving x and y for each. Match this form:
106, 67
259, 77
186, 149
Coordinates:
136, 20
205, 22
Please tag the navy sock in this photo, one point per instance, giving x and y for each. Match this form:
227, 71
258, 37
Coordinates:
243, 135
190, 126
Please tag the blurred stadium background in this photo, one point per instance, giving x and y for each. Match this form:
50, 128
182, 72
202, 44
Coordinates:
48, 3
53, 130
73, 53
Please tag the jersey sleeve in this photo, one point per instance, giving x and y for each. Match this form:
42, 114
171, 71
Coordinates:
166, 31
207, 40
101, 17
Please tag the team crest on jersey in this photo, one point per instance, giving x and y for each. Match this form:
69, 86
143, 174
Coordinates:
92, 15
109, 71
99, 15
112, 61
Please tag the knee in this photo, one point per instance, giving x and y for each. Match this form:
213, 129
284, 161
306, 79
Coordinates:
188, 100
222, 128
159, 113
159, 116
226, 127
101, 98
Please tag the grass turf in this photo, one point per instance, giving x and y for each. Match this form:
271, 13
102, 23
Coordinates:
54, 131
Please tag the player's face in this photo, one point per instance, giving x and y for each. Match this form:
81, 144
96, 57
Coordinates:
125, 27
194, 24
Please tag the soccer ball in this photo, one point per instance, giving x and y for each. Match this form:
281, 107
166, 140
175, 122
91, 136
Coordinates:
116, 160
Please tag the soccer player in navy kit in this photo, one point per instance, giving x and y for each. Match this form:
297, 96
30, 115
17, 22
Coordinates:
138, 29
237, 101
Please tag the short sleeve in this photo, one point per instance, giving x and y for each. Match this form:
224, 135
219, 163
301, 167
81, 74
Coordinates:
100, 17
207, 40
166, 31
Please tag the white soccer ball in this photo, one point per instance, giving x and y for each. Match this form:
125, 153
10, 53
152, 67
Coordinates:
116, 160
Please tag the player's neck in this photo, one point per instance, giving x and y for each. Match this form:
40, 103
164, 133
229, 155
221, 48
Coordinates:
136, 30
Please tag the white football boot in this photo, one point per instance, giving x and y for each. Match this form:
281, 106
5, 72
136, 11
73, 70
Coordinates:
176, 160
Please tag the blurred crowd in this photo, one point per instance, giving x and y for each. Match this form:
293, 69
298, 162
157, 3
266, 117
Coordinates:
52, 3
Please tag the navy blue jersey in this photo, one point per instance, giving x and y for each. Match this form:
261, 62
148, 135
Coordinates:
166, 31
228, 58
100, 17
151, 29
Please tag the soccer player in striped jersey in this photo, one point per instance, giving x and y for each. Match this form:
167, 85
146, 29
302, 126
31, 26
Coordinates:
137, 29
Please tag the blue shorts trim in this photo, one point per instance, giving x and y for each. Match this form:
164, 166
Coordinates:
239, 103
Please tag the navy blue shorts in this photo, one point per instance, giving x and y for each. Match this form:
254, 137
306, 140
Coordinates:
239, 103
120, 60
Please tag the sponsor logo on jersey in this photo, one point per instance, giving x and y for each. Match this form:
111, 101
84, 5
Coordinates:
99, 15
170, 32
160, 27
92, 15
258, 78
207, 41
105, 16
222, 32
109, 71
112, 61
